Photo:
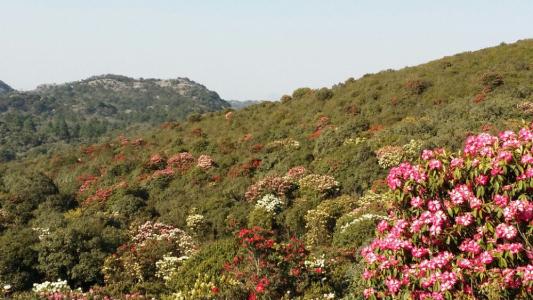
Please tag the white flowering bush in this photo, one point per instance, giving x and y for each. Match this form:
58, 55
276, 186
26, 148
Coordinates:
51, 287
196, 223
270, 203
167, 267
323, 184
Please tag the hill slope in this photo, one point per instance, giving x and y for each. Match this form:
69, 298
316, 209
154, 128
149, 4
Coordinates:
87, 109
310, 166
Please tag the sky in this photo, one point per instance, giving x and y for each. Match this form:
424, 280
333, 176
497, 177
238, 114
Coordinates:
244, 49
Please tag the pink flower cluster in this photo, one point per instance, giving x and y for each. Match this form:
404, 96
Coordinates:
268, 185
458, 220
296, 173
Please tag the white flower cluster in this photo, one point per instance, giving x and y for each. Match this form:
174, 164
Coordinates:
159, 231
43, 232
316, 263
168, 266
354, 141
365, 217
270, 203
319, 183
285, 143
51, 287
329, 296
195, 222
371, 197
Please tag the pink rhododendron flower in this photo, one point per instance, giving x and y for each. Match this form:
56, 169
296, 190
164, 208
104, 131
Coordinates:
464, 219
435, 164
506, 231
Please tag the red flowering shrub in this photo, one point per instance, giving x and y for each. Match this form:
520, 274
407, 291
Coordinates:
269, 269
86, 182
182, 161
101, 195
461, 225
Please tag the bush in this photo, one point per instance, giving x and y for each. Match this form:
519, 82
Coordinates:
299, 93
491, 80
461, 225
417, 87
323, 94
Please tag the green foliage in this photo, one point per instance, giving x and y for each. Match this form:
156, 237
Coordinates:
323, 94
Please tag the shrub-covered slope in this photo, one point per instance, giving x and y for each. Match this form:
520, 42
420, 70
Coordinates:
304, 175
87, 109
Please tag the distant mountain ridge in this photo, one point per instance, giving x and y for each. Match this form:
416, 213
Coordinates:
87, 109
4, 88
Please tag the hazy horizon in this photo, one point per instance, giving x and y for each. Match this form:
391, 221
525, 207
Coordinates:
244, 50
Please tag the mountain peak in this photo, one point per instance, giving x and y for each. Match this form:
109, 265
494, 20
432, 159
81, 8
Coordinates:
4, 88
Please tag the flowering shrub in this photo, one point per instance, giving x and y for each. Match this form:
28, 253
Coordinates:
168, 266
156, 159
210, 287
51, 287
320, 222
371, 198
269, 185
526, 107
136, 261
461, 226
182, 161
354, 141
205, 162
86, 182
270, 203
296, 173
269, 269
100, 195
389, 156
166, 172
319, 183
196, 223
288, 144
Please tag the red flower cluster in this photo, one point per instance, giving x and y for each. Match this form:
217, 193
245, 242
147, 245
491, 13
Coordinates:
182, 161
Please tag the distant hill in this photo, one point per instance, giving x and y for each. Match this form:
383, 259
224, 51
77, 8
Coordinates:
237, 104
87, 109
4, 88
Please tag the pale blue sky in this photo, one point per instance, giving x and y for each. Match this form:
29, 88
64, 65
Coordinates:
247, 49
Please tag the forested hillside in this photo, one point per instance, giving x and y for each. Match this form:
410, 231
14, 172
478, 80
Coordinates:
276, 200
82, 111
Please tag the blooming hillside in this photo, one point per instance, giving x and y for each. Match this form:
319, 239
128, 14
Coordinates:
277, 200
